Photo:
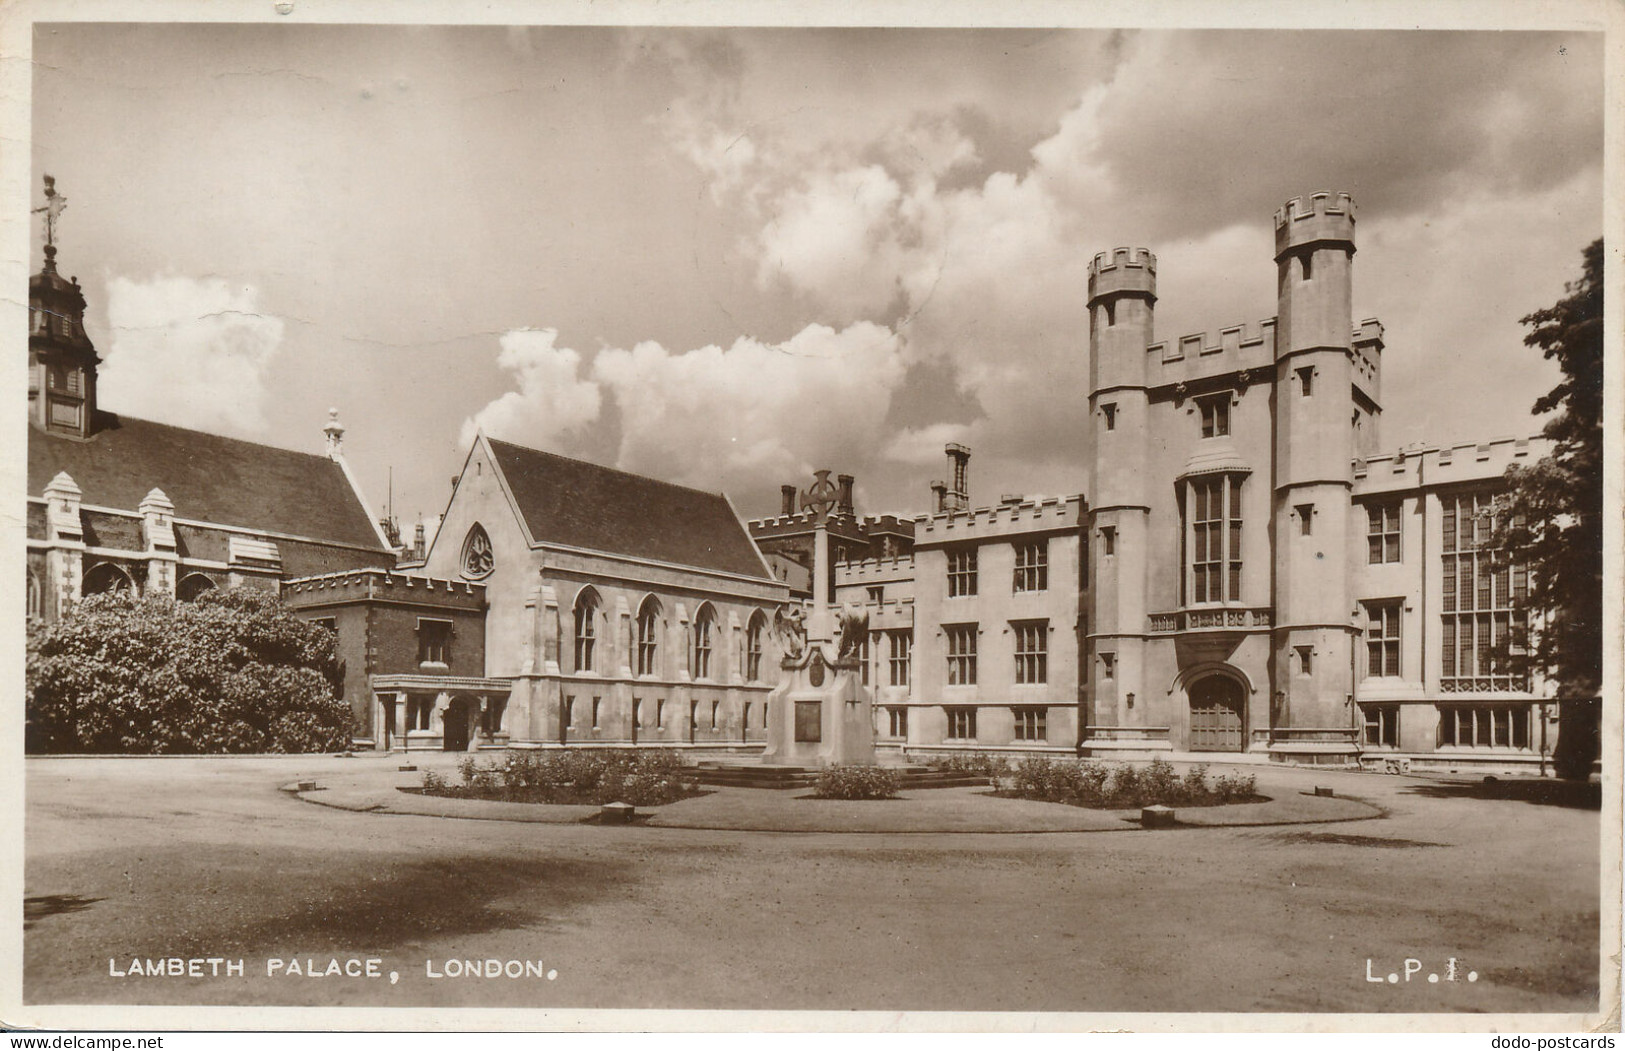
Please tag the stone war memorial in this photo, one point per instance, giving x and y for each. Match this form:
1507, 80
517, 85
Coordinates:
820, 713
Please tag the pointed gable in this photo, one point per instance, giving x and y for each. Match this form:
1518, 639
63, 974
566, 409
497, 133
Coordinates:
580, 504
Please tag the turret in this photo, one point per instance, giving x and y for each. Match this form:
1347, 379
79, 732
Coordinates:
1122, 297
1314, 249
1315, 403
61, 360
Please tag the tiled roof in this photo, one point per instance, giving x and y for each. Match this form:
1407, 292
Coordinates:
207, 477
581, 504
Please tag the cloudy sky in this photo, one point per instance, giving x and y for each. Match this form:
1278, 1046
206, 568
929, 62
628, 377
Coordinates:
727, 257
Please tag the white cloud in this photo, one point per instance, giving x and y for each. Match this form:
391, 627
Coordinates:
194, 353
552, 402
864, 220
742, 419
837, 237
755, 414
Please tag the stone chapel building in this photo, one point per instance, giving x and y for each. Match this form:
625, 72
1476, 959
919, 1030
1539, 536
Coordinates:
622, 609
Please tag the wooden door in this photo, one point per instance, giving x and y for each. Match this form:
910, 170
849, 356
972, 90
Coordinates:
1216, 724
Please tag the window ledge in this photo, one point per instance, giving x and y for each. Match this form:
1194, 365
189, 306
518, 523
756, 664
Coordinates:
1464, 751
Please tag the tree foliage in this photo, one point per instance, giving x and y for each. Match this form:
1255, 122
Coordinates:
1555, 505
234, 671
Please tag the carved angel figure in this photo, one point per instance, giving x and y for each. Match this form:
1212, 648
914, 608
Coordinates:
789, 626
854, 624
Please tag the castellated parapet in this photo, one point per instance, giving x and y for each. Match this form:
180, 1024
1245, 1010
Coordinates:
1033, 514
1316, 219
1232, 339
381, 584
1425, 465
893, 567
1123, 271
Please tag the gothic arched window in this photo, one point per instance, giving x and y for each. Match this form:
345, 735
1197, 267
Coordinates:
704, 626
649, 637
36, 602
477, 558
753, 646
586, 628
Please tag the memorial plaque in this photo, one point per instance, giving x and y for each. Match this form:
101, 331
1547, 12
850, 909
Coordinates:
809, 720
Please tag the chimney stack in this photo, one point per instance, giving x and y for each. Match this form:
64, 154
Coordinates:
418, 546
787, 499
958, 498
843, 501
939, 497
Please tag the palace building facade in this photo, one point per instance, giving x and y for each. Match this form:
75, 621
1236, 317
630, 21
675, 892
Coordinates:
1245, 571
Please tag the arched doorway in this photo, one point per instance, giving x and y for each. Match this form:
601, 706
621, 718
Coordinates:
454, 725
1218, 720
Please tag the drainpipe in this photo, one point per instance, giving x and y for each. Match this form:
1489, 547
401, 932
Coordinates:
1422, 496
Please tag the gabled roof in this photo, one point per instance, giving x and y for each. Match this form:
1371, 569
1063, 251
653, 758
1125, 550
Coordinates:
209, 478
580, 504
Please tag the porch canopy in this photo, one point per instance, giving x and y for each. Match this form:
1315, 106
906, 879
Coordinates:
451, 713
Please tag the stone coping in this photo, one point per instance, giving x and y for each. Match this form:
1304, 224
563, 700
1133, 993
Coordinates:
930, 810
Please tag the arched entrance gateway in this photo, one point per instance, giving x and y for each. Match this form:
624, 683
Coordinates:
1218, 720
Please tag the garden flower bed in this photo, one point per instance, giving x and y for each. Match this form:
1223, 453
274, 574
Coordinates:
855, 782
1085, 783
642, 778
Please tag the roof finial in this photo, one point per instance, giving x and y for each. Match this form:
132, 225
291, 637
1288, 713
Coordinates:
54, 203
335, 433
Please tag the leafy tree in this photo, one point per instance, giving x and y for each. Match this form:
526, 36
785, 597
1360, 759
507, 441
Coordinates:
234, 671
1553, 508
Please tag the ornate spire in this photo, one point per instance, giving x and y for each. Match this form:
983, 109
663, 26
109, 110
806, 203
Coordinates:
54, 203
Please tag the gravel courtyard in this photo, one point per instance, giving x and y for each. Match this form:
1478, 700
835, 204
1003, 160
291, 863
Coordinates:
141, 859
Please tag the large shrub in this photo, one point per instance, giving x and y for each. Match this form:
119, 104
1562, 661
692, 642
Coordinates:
234, 671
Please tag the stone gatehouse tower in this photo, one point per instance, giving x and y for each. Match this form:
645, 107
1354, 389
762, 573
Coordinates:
1259, 578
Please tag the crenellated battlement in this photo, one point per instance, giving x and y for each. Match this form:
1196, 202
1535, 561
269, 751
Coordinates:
1123, 270
1316, 204
1426, 464
869, 568
1232, 339
381, 583
1308, 220
1030, 513
796, 518
1134, 257
1368, 331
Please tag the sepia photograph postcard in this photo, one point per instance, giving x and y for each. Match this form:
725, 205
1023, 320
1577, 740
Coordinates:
759, 517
